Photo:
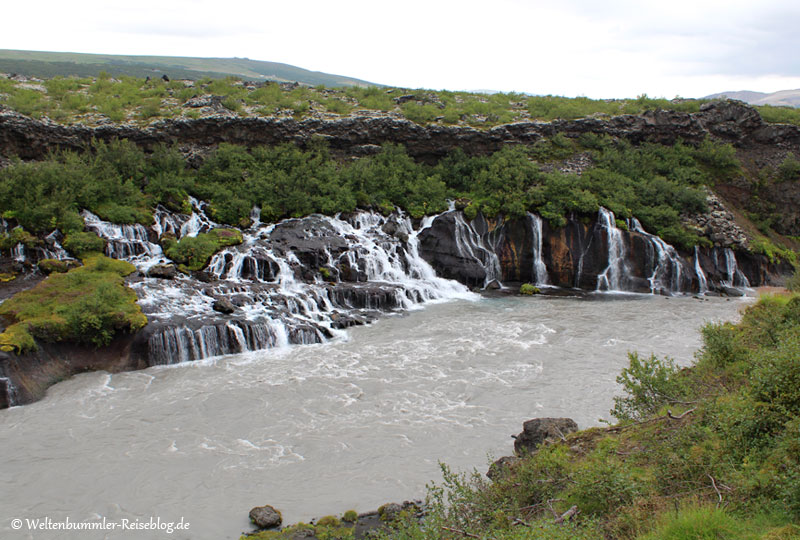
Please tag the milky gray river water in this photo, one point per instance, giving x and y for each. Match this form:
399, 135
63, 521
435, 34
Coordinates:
321, 429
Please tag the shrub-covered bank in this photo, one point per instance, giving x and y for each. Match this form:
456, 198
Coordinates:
712, 451
121, 183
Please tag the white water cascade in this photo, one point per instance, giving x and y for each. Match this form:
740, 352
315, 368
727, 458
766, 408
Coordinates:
471, 246
735, 277
666, 263
611, 278
701, 276
539, 268
274, 307
126, 242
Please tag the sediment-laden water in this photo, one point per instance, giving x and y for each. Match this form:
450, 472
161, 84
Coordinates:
320, 429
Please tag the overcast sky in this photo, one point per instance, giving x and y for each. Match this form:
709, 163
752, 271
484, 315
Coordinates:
594, 48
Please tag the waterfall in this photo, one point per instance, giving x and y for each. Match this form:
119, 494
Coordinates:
126, 242
666, 264
610, 279
10, 390
274, 306
18, 253
701, 276
198, 222
471, 246
735, 277
539, 268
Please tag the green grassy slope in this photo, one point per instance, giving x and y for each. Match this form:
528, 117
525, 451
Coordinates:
49, 64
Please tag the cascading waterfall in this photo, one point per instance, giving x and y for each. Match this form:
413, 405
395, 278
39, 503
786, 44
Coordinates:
701, 276
539, 268
735, 277
611, 278
471, 246
278, 308
666, 264
127, 242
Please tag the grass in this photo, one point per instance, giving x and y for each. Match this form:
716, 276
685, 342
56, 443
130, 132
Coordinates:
89, 305
135, 99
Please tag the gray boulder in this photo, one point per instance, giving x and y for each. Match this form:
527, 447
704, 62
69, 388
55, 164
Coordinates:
265, 517
540, 430
223, 305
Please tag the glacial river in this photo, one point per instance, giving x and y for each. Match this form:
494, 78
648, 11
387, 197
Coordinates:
320, 429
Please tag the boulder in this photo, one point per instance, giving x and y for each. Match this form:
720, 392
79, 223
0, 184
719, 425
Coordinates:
541, 430
223, 305
163, 271
265, 517
499, 467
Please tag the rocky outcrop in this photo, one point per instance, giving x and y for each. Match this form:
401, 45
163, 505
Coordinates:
541, 430
728, 121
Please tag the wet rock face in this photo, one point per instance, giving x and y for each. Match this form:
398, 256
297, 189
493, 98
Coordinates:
439, 246
539, 430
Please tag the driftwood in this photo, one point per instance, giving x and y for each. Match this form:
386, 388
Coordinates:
673, 417
714, 485
569, 514
459, 531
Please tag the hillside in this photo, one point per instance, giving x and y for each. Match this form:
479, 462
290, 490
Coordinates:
782, 98
51, 64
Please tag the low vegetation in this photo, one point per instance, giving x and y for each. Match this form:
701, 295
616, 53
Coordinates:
712, 451
88, 305
194, 253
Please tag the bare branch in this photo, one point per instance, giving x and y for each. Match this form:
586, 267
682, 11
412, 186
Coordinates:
673, 417
714, 484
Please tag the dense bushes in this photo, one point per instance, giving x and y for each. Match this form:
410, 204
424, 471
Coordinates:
707, 452
89, 304
120, 183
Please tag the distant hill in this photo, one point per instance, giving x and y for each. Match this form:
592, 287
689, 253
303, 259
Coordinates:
50, 64
782, 98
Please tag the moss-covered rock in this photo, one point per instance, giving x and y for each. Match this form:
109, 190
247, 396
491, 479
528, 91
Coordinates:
194, 253
89, 304
49, 266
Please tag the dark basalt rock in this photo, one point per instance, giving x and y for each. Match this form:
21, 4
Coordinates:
163, 271
540, 430
266, 517
223, 305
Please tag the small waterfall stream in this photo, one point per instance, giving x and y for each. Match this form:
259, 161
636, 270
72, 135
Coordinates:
701, 276
665, 262
539, 268
611, 278
471, 246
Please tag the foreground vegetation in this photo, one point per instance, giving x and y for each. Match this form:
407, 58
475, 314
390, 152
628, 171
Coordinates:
88, 304
707, 452
120, 183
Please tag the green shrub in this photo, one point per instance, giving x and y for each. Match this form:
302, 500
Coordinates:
648, 384
80, 243
528, 289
